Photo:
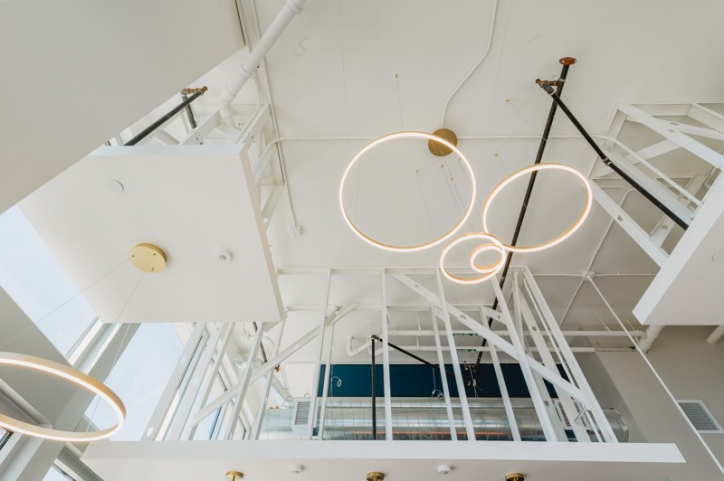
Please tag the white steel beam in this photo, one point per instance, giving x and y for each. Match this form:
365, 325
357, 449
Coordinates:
443, 377
707, 117
468, 420
259, 418
325, 389
639, 235
242, 387
172, 387
271, 363
545, 421
484, 331
315, 383
384, 318
514, 431
670, 132
569, 359
203, 129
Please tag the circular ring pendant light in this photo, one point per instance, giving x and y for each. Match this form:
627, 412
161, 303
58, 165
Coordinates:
74, 376
418, 247
488, 271
535, 168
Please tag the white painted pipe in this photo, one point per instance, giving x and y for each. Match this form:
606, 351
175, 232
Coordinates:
715, 335
651, 334
416, 333
283, 19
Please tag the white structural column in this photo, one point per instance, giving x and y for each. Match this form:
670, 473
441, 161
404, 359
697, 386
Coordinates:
455, 361
315, 384
259, 418
545, 421
386, 359
570, 360
290, 9
242, 387
443, 377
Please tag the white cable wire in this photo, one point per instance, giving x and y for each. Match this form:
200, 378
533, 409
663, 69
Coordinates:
646, 359
475, 67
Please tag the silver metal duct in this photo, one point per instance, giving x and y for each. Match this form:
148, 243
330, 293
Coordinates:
417, 419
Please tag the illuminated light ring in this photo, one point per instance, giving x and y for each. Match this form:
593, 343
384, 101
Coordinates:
76, 377
534, 168
426, 245
487, 271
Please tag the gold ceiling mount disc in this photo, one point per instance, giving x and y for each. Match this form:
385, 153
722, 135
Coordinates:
514, 477
234, 474
375, 476
148, 258
439, 149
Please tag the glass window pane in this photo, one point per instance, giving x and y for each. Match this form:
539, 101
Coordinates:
31, 275
4, 436
139, 378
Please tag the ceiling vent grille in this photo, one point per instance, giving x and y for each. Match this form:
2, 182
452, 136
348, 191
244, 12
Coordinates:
700, 416
564, 417
300, 416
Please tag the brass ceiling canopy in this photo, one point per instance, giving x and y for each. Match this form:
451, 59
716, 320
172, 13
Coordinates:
375, 476
148, 258
234, 474
514, 477
439, 149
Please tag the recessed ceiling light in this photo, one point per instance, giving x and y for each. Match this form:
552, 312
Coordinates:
444, 469
718, 257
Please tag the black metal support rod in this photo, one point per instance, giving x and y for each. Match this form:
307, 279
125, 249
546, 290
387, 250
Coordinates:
151, 128
189, 112
567, 62
682, 223
408, 353
374, 393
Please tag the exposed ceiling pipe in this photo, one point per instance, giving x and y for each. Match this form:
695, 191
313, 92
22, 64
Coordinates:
290, 9
651, 334
715, 335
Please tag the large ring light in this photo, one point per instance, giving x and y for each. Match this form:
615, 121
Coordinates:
488, 271
75, 377
535, 168
426, 245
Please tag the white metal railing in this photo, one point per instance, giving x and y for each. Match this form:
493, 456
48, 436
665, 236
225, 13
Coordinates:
523, 331
662, 122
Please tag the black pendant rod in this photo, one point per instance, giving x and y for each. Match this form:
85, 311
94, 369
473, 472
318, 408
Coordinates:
566, 62
374, 394
151, 128
408, 353
679, 221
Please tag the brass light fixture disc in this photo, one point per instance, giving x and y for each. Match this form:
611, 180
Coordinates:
514, 477
148, 258
375, 476
234, 474
439, 149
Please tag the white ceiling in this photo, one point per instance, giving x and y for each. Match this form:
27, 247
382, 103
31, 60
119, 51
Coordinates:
194, 202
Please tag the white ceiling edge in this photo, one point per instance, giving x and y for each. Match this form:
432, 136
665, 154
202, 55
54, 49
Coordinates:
334, 460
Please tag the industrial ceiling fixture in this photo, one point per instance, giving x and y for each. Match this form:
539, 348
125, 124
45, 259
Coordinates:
74, 376
375, 476
409, 135
514, 477
442, 142
234, 474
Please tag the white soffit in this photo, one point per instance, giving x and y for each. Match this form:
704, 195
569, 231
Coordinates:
687, 290
350, 460
194, 202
